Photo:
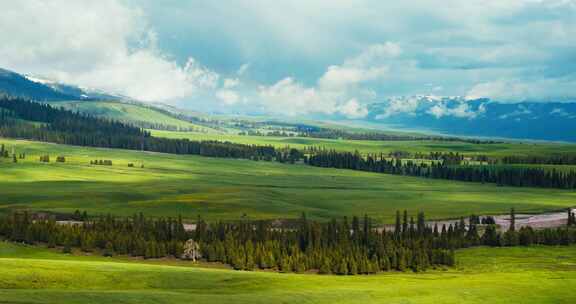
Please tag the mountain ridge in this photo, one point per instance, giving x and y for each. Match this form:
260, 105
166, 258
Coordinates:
480, 117
449, 115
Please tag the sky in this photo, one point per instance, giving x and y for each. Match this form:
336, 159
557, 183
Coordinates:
296, 57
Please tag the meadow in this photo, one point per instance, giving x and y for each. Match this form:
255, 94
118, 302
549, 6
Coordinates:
128, 113
482, 275
228, 189
366, 146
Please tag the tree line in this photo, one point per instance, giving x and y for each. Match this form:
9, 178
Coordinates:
500, 175
554, 159
347, 246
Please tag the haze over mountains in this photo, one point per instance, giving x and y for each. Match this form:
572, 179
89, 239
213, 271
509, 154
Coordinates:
454, 115
479, 117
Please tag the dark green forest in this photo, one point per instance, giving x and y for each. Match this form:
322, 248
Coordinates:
450, 169
347, 246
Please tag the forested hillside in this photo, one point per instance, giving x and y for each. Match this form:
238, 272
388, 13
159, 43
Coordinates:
21, 118
66, 127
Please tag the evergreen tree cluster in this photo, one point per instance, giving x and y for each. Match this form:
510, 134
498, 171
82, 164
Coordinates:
345, 247
571, 218
4, 152
136, 236
338, 247
527, 236
101, 162
500, 175
555, 159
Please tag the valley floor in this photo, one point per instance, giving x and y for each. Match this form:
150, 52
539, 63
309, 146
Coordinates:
230, 189
482, 275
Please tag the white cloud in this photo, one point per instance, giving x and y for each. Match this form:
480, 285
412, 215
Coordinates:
353, 109
340, 77
517, 90
370, 65
376, 53
289, 97
337, 90
229, 97
399, 105
230, 83
292, 98
242, 69
100, 44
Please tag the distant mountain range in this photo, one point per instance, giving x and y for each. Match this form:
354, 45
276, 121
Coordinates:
454, 115
479, 117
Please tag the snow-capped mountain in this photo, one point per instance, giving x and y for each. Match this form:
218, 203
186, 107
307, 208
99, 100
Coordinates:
547, 120
39, 88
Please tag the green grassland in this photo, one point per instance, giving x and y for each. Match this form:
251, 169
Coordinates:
229, 189
366, 146
482, 275
134, 113
129, 113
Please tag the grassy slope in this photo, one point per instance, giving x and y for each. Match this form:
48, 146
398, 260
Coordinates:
483, 275
136, 113
226, 188
517, 148
128, 113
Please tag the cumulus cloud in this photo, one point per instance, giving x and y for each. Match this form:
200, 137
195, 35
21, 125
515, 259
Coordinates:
100, 44
337, 90
376, 53
292, 98
371, 64
229, 97
230, 83
399, 105
340, 77
353, 109
517, 90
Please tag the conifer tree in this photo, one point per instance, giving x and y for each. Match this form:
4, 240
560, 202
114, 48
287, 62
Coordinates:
67, 246
108, 250
397, 227
512, 220
342, 267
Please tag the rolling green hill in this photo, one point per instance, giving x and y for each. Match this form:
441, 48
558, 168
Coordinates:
228, 189
483, 275
138, 114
